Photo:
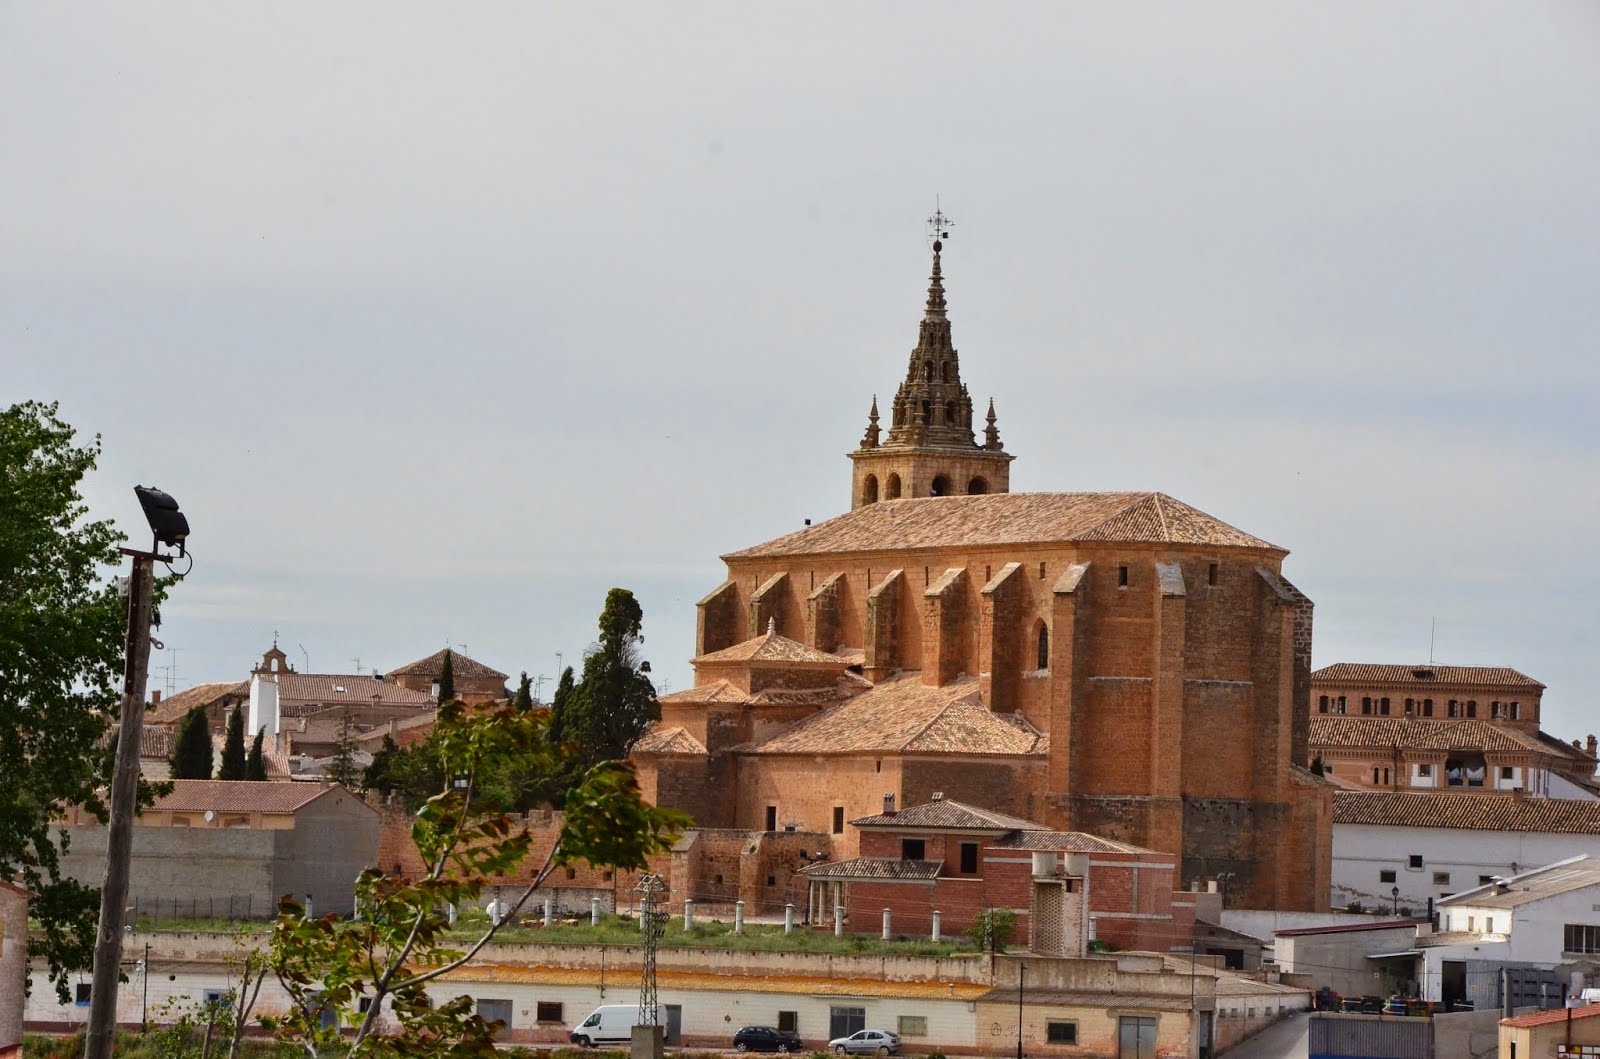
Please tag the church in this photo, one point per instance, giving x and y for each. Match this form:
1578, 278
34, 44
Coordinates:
1115, 663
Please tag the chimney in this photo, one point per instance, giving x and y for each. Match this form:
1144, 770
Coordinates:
888, 805
1590, 743
155, 700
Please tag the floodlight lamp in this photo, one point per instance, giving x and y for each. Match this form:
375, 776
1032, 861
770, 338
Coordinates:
166, 521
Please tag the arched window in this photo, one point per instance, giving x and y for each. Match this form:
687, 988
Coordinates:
891, 488
1472, 707
869, 490
1322, 704
1383, 705
927, 413
940, 487
950, 413
977, 486
1516, 711
927, 371
944, 371
1366, 704
1044, 646
1427, 707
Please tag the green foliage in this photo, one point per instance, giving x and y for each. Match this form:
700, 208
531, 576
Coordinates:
993, 930
559, 702
234, 764
378, 776
342, 769
1355, 906
447, 678
523, 699
401, 939
255, 766
191, 754
61, 631
614, 702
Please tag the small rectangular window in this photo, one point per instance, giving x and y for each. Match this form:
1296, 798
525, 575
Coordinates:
969, 858
1060, 1032
1485, 880
912, 849
80, 994
1211, 575
772, 818
913, 1025
1415, 860
1122, 577
838, 819
788, 1022
1386, 876
1507, 772
549, 1011
1424, 771
495, 1011
1041, 571
364, 1006
1441, 878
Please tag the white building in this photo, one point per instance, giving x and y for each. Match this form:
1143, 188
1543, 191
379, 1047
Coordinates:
1547, 918
1435, 845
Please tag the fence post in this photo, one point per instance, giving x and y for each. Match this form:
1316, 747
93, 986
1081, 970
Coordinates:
788, 918
594, 911
688, 915
738, 917
936, 925
549, 912
887, 933
838, 921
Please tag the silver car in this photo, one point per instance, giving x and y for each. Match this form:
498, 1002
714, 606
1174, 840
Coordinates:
867, 1042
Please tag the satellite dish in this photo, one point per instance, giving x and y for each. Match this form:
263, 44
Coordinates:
210, 816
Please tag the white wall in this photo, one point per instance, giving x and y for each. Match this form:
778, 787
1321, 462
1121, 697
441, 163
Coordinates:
1361, 851
1536, 929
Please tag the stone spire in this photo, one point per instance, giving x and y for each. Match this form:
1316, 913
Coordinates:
930, 449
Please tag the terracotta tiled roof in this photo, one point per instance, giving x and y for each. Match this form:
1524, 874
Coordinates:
357, 690
946, 814
1347, 928
171, 710
1476, 812
725, 692
1331, 730
886, 869
675, 740
771, 648
1475, 676
156, 742
460, 666
1545, 1018
721, 691
905, 716
241, 796
1067, 841
1009, 518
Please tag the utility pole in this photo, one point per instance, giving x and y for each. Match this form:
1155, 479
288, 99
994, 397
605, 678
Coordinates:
124, 790
1022, 971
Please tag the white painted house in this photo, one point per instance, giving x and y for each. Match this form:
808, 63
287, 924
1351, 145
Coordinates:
1435, 845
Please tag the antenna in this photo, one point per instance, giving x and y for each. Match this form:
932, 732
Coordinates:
538, 682
356, 661
305, 658
1433, 626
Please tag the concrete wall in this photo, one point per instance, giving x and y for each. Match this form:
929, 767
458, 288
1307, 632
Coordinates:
1339, 960
13, 964
335, 839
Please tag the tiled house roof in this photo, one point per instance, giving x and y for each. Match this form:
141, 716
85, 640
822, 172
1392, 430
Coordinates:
460, 665
1415, 733
887, 869
356, 689
171, 710
941, 523
945, 814
1474, 812
675, 740
725, 692
903, 715
770, 647
1066, 841
1476, 676
240, 796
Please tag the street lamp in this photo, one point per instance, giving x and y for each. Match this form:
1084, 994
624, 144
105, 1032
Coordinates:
169, 527
1395, 893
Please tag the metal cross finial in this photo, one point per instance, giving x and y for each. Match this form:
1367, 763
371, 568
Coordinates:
939, 225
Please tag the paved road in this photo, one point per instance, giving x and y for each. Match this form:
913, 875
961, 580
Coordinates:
1283, 1040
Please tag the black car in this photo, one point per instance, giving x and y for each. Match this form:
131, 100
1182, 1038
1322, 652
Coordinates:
765, 1039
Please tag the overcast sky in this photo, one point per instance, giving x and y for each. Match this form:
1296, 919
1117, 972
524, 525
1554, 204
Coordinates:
442, 319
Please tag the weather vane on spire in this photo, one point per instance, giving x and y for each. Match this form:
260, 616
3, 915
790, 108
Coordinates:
939, 225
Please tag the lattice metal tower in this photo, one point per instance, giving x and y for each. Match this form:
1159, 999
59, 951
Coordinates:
653, 922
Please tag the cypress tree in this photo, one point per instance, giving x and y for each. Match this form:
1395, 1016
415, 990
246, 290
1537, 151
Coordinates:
447, 679
255, 766
523, 700
557, 732
342, 769
191, 757
233, 757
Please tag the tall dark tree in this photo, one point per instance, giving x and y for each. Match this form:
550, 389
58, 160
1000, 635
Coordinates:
192, 755
377, 777
255, 766
447, 679
61, 628
342, 769
614, 702
233, 765
566, 684
523, 699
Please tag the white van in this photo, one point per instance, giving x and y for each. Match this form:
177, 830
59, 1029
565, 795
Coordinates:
607, 1024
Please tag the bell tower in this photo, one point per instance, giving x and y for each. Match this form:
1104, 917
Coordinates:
931, 449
